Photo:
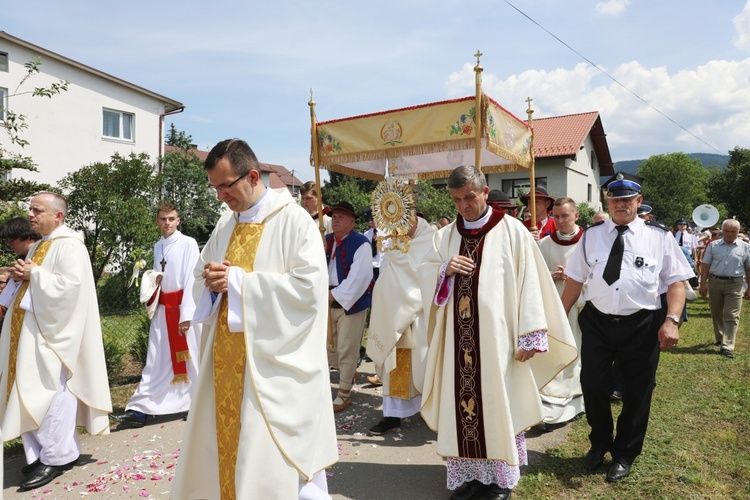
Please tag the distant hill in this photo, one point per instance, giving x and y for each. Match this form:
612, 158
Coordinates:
631, 166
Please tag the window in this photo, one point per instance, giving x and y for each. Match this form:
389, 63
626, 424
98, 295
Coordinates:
4, 61
589, 195
512, 186
3, 103
118, 125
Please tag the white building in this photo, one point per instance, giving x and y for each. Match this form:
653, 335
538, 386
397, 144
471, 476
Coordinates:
98, 116
571, 154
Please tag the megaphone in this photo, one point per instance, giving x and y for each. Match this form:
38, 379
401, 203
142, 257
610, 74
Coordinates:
705, 215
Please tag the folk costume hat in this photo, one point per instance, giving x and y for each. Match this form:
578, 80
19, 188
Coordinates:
540, 192
344, 207
501, 199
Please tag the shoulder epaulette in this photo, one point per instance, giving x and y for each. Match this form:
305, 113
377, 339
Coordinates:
596, 224
658, 224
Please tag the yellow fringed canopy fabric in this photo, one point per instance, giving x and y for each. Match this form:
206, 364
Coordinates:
424, 142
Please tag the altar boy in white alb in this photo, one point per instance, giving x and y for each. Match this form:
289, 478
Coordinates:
172, 358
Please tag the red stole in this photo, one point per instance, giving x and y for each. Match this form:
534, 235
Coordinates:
178, 347
565, 243
467, 386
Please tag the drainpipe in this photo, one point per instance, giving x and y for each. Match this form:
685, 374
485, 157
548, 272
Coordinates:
161, 131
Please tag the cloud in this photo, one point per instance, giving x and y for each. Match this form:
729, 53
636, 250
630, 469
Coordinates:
742, 26
611, 7
712, 101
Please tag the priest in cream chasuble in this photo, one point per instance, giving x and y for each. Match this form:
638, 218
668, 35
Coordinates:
494, 308
261, 423
396, 340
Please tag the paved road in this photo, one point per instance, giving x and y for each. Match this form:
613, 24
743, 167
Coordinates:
141, 463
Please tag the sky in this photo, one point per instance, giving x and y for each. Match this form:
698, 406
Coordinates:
245, 69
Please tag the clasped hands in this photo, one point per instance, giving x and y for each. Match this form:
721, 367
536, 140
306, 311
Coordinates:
215, 276
21, 270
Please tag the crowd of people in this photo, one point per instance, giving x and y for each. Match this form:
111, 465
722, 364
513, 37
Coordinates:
485, 325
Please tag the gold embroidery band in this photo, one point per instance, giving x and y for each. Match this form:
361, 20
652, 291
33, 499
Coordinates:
400, 377
18, 316
229, 364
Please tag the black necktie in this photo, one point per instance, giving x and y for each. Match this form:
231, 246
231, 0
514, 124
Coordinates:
614, 262
681, 233
374, 242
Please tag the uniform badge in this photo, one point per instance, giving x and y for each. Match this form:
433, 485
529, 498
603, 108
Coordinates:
638, 261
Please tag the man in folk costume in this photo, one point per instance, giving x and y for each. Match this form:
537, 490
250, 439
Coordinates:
493, 309
51, 353
172, 357
396, 340
545, 225
562, 398
350, 280
260, 425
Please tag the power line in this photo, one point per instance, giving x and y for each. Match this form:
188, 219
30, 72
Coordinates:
611, 77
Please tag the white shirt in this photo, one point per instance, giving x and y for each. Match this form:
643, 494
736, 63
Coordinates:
651, 260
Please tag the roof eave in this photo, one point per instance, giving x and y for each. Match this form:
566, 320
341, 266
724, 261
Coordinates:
169, 104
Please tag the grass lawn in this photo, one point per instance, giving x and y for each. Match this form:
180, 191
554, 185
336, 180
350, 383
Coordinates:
698, 440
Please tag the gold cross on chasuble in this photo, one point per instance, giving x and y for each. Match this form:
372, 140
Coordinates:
18, 316
229, 362
400, 377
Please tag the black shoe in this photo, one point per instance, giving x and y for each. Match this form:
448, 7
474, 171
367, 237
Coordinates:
593, 459
545, 427
616, 396
469, 491
129, 420
26, 470
185, 416
385, 425
617, 471
494, 492
727, 353
43, 474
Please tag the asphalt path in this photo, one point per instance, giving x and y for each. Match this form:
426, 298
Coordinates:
140, 463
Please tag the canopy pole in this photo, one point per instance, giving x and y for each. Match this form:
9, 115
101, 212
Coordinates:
318, 191
532, 173
316, 164
478, 125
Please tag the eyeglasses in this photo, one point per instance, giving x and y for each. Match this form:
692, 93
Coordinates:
9, 242
222, 189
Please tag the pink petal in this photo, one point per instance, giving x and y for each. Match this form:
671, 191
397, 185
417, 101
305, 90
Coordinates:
144, 493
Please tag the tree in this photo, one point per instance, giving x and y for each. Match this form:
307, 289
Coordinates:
113, 205
186, 185
15, 123
178, 138
675, 184
585, 214
732, 185
433, 202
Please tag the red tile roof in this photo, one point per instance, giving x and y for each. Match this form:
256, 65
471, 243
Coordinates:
279, 176
564, 135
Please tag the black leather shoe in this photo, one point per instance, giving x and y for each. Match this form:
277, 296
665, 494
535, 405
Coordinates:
593, 459
494, 492
385, 425
469, 491
26, 469
617, 471
43, 474
129, 420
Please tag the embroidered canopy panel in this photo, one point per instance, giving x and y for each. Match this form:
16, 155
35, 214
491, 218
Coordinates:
427, 141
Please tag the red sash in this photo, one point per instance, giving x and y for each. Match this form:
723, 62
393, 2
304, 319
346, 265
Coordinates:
178, 347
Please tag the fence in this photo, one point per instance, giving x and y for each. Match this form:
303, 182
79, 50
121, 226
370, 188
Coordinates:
125, 326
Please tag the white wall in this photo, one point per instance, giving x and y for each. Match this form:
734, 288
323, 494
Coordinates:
65, 132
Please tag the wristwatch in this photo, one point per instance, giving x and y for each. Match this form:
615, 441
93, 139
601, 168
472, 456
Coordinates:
674, 318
